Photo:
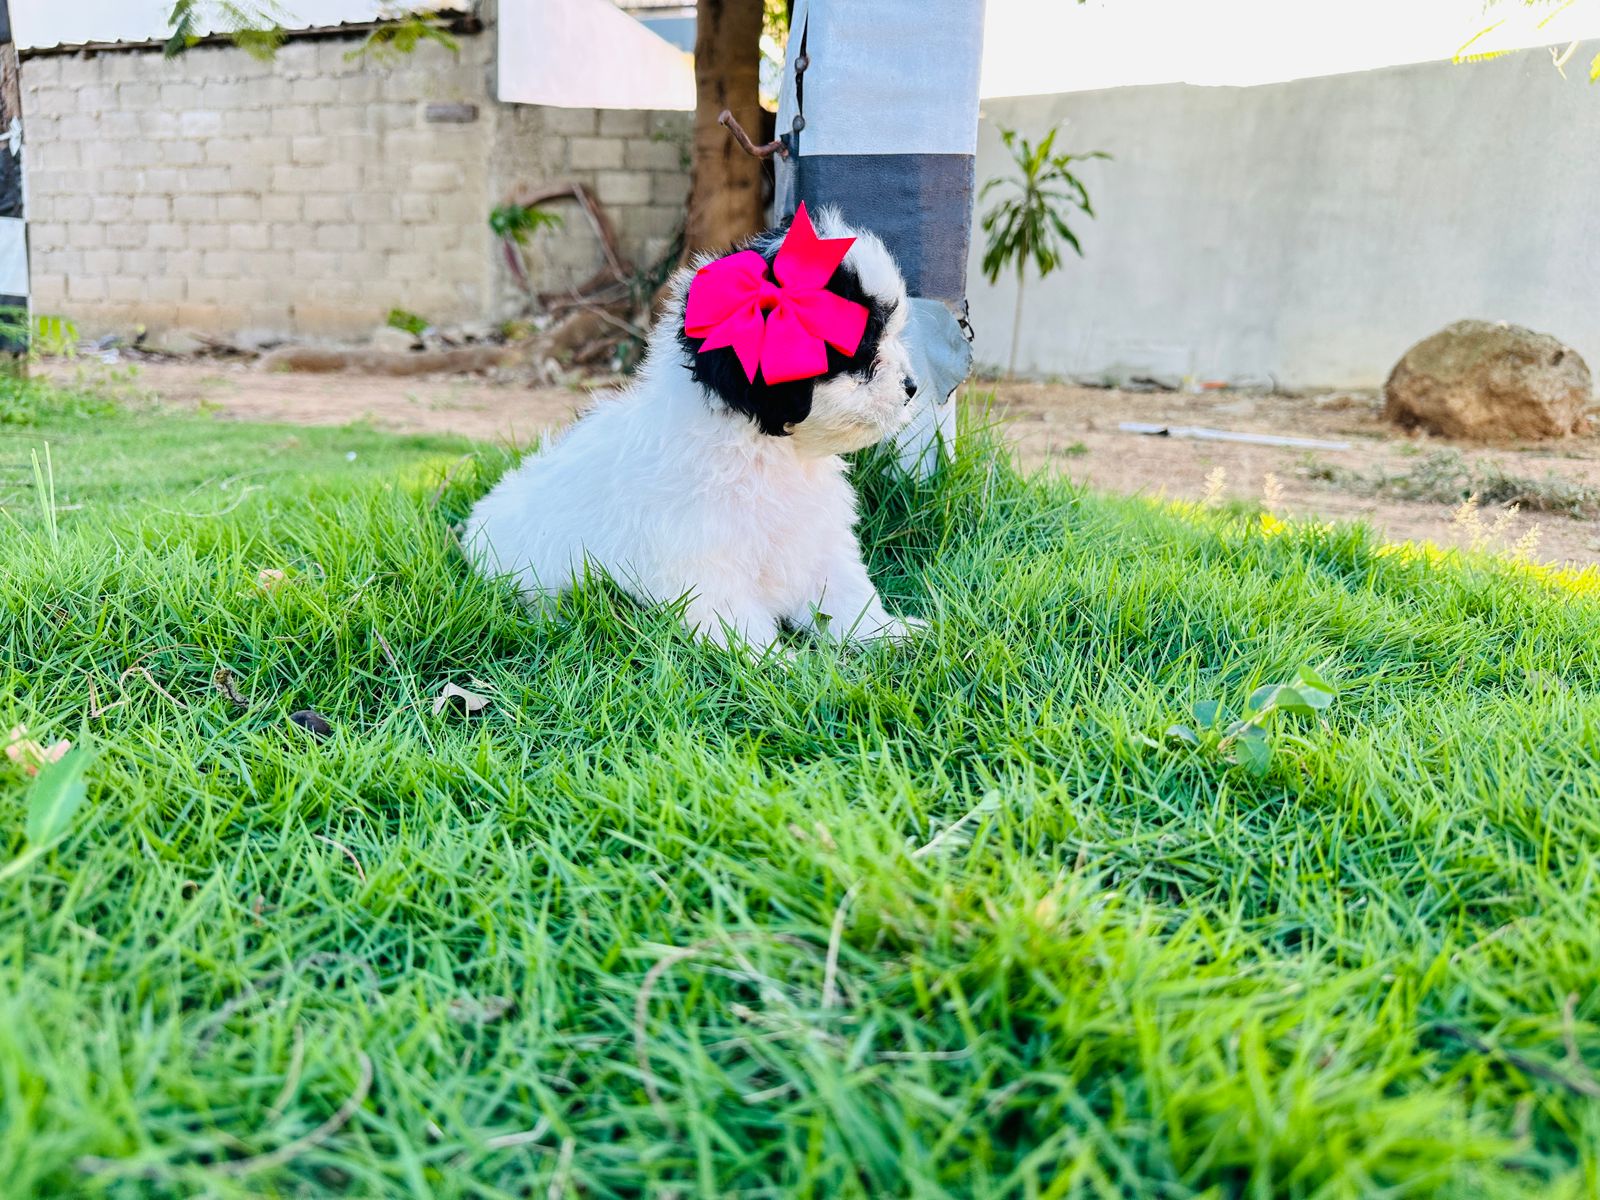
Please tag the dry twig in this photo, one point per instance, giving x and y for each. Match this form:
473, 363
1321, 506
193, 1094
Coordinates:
1578, 1085
348, 853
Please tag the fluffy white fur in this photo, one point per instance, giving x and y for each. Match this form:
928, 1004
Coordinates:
674, 495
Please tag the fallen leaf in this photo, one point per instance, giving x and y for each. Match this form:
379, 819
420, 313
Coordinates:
269, 578
460, 700
23, 750
29, 754
225, 683
313, 723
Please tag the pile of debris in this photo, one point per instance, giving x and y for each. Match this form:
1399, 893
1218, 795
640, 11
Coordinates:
559, 337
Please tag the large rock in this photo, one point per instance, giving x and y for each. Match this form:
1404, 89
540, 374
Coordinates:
176, 341
1490, 382
394, 341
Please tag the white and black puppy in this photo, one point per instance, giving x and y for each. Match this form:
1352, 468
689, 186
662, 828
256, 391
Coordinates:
696, 483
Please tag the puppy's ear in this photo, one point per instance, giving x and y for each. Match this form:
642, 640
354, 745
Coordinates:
773, 407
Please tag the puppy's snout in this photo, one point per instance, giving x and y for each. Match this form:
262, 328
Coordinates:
910, 385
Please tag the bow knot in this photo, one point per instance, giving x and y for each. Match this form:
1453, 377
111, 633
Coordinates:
782, 324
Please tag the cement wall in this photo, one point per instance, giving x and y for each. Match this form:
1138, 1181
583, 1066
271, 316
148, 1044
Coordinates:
636, 162
309, 195
1310, 231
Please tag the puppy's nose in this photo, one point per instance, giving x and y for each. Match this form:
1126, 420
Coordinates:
910, 385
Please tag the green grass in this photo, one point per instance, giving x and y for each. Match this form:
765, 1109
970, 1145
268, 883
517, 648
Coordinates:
948, 920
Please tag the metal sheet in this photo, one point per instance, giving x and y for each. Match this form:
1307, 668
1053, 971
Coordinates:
41, 24
13, 256
927, 53
941, 360
588, 54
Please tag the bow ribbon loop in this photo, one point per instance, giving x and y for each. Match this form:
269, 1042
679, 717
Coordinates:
782, 324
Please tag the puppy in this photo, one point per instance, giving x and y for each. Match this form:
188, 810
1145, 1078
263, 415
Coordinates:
705, 481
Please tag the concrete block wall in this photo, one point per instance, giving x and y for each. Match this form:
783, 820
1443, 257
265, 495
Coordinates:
1309, 231
307, 196
636, 162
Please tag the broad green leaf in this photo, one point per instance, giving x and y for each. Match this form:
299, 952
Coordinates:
55, 797
1293, 700
1207, 713
1315, 697
1316, 690
1183, 733
1262, 698
1254, 754
1302, 697
1307, 675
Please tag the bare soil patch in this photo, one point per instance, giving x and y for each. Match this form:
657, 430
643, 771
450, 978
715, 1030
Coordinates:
1052, 426
1074, 431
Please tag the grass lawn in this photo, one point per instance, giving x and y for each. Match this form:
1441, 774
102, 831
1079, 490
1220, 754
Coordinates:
954, 919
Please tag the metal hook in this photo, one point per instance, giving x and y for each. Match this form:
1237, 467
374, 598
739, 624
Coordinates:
731, 123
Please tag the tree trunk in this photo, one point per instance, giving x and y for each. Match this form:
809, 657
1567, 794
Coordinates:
725, 195
1016, 326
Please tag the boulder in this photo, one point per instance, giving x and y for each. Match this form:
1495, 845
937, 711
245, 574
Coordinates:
394, 341
180, 342
1488, 382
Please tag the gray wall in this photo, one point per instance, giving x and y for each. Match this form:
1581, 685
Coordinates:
1311, 231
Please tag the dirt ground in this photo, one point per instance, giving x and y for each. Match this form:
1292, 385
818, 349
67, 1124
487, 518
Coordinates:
1063, 428
1075, 430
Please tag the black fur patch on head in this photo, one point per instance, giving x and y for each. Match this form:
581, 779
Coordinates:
775, 406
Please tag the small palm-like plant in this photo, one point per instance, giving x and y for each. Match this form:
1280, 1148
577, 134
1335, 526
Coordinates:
1031, 225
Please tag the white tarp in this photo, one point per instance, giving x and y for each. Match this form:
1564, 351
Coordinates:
13, 257
588, 54
934, 77
40, 24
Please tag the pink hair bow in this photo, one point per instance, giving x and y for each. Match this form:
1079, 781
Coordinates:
785, 326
